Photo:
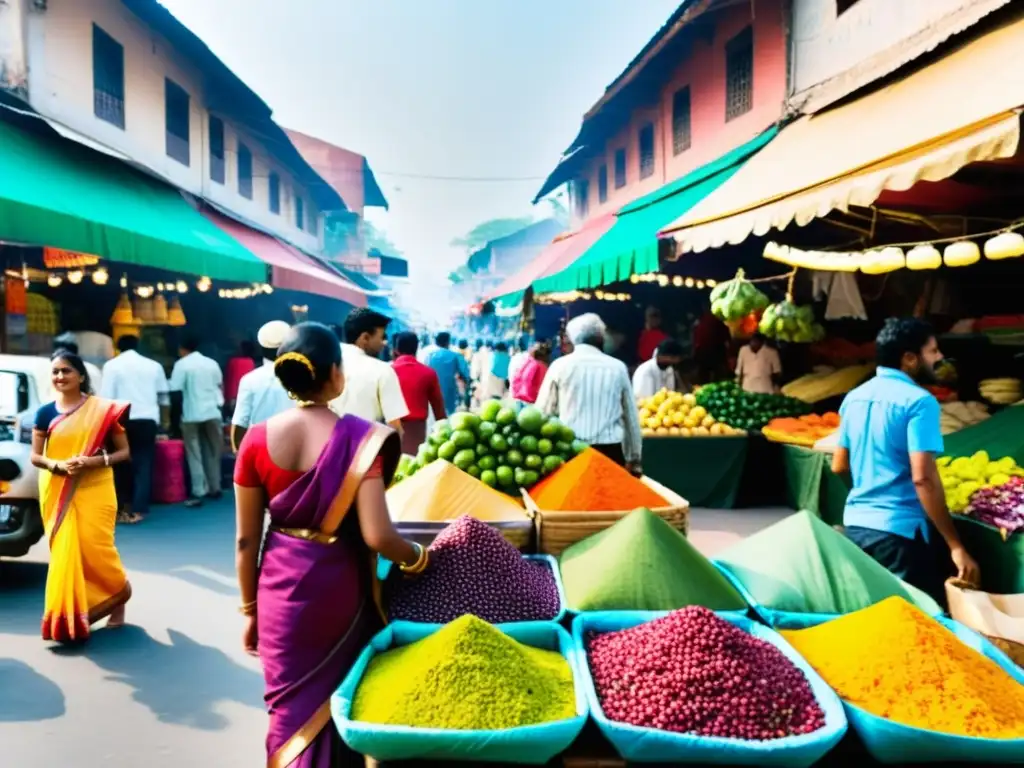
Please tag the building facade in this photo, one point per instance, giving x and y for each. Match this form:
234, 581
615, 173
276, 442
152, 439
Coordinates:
715, 77
125, 78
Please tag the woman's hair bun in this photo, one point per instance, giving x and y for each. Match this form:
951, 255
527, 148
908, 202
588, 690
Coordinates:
306, 358
296, 373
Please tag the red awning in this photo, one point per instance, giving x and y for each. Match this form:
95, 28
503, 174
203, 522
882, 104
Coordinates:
290, 269
558, 255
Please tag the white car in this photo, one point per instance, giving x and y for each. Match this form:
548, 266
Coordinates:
24, 387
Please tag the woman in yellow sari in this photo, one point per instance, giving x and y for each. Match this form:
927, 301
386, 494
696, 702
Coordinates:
76, 441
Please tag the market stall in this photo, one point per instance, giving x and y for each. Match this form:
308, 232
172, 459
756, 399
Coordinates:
706, 472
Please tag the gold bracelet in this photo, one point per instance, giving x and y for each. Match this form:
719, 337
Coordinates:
248, 609
421, 561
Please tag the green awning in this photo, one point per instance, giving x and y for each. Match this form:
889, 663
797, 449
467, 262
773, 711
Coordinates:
56, 193
630, 247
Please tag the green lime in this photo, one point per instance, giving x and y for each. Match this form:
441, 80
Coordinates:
530, 419
499, 444
464, 459
551, 429
487, 462
505, 476
551, 463
563, 449
520, 476
489, 411
447, 451
530, 478
483, 449
463, 438
567, 435
528, 444
578, 447
489, 477
505, 417
514, 458
533, 461
544, 446
429, 453
486, 429
513, 440
464, 420
474, 470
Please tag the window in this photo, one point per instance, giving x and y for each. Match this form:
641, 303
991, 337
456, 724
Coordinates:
107, 78
620, 168
216, 149
602, 184
842, 6
646, 150
176, 117
244, 171
300, 213
739, 74
582, 198
275, 193
311, 220
681, 120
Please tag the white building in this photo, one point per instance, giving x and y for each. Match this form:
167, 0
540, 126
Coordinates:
126, 78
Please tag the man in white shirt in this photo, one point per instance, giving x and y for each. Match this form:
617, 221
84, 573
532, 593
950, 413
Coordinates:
371, 389
758, 367
660, 371
133, 378
591, 393
260, 394
201, 383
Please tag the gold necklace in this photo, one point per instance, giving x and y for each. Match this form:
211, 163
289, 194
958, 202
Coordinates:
310, 404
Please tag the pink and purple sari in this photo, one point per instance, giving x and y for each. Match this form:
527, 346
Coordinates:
318, 598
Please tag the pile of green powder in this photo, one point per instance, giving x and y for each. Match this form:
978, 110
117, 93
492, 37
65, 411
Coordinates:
466, 676
643, 564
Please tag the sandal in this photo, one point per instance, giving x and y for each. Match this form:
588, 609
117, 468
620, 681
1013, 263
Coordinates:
125, 518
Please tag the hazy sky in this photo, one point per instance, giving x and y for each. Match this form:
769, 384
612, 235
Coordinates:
466, 88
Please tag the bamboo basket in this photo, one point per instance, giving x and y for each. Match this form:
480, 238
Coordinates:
557, 531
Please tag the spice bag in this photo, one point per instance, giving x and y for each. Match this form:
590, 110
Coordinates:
649, 745
802, 565
896, 744
529, 745
1000, 618
642, 564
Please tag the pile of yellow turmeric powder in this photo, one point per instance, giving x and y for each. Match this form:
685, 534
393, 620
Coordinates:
896, 662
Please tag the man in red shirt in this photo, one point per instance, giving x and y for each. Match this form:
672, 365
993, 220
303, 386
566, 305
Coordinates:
421, 389
651, 336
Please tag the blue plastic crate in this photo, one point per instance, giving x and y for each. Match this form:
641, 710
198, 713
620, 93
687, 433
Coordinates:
527, 744
650, 745
890, 742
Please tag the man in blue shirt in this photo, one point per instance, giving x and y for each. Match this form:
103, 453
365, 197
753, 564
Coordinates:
888, 440
449, 366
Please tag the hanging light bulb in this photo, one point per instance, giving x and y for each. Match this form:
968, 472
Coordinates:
662, 280
203, 284
710, 283
181, 286
677, 281
100, 276
699, 284
54, 280
634, 279
160, 287
75, 276
688, 282
124, 281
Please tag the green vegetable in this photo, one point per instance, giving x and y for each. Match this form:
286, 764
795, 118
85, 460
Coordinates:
530, 420
464, 459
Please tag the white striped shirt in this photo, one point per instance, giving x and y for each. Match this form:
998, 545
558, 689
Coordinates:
591, 393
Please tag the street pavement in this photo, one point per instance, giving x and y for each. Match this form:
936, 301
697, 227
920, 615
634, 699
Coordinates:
173, 688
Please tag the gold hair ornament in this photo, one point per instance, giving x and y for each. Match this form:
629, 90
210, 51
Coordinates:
298, 357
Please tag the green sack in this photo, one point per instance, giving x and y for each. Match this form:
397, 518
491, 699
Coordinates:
802, 565
643, 564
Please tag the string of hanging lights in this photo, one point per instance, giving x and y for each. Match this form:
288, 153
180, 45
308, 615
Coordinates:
676, 281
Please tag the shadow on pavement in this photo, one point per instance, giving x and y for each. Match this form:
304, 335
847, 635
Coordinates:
22, 586
181, 683
26, 695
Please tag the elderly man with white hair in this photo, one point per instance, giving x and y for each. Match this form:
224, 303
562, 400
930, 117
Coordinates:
591, 393
260, 394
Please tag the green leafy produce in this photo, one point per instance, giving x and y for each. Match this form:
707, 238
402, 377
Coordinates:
785, 321
735, 299
507, 448
729, 404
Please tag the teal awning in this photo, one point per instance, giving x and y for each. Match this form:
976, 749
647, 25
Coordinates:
56, 193
631, 245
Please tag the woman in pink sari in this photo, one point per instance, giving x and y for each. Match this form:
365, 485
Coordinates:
312, 601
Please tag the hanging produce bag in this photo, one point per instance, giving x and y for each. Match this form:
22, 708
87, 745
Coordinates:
650, 745
528, 744
738, 303
896, 744
803, 565
1000, 618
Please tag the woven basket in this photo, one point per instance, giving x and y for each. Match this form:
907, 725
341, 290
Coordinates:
518, 533
557, 531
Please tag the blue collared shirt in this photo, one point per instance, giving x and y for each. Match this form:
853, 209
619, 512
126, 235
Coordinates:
448, 364
883, 421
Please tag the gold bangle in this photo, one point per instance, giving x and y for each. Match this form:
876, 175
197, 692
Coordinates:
248, 609
420, 562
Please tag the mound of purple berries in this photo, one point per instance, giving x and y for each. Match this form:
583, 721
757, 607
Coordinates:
473, 569
693, 672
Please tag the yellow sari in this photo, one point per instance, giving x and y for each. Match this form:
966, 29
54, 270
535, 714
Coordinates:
86, 580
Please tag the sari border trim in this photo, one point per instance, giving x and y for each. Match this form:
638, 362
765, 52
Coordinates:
292, 749
366, 452
108, 606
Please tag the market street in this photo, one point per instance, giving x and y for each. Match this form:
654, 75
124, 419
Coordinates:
173, 687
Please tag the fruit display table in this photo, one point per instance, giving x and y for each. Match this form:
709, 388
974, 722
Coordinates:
706, 471
812, 485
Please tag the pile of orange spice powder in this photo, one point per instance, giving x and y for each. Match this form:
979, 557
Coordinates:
591, 482
896, 662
